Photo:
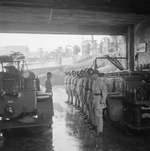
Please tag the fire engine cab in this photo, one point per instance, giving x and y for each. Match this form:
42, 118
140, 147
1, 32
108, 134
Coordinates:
22, 104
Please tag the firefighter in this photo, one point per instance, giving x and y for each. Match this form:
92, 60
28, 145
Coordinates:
75, 88
69, 86
99, 89
80, 88
72, 86
85, 91
48, 87
82, 96
48, 84
89, 94
66, 85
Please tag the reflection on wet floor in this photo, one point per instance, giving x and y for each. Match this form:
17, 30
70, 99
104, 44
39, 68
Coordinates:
70, 132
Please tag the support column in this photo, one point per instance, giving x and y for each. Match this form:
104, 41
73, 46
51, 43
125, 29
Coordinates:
130, 47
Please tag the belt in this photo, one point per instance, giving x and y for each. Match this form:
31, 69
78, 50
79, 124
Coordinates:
97, 94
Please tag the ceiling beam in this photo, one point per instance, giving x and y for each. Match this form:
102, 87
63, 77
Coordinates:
8, 27
93, 5
68, 16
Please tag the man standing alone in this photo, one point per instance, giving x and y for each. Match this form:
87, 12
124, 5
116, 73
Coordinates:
48, 84
48, 89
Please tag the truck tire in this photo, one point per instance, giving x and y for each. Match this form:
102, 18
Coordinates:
115, 109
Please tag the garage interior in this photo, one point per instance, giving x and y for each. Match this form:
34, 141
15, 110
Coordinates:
129, 18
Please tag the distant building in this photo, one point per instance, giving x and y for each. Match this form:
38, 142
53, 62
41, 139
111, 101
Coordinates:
86, 47
113, 45
104, 46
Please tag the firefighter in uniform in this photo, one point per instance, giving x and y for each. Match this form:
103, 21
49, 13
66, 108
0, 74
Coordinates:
66, 84
78, 88
48, 84
82, 99
48, 87
99, 89
85, 85
89, 94
69, 86
75, 88
72, 87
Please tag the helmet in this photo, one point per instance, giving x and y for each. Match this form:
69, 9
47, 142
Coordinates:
73, 73
81, 72
90, 71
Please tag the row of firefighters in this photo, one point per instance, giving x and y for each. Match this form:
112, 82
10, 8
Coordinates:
87, 91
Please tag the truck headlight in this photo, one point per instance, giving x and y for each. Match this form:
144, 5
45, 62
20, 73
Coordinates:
9, 110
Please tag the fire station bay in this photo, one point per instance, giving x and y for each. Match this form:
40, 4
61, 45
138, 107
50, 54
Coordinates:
74, 75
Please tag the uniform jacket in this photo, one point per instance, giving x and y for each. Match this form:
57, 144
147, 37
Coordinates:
48, 85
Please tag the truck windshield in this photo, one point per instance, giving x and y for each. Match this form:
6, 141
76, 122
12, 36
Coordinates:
10, 66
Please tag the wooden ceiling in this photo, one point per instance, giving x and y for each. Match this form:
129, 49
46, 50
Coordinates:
71, 16
136, 6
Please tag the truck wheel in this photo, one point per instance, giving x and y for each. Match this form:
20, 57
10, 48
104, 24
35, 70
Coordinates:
115, 109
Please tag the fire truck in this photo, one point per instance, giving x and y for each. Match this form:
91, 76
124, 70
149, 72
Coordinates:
128, 101
22, 104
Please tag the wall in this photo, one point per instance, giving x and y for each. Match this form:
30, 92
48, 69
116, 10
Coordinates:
142, 35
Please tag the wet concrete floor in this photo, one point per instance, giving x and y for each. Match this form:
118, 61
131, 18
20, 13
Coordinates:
70, 132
